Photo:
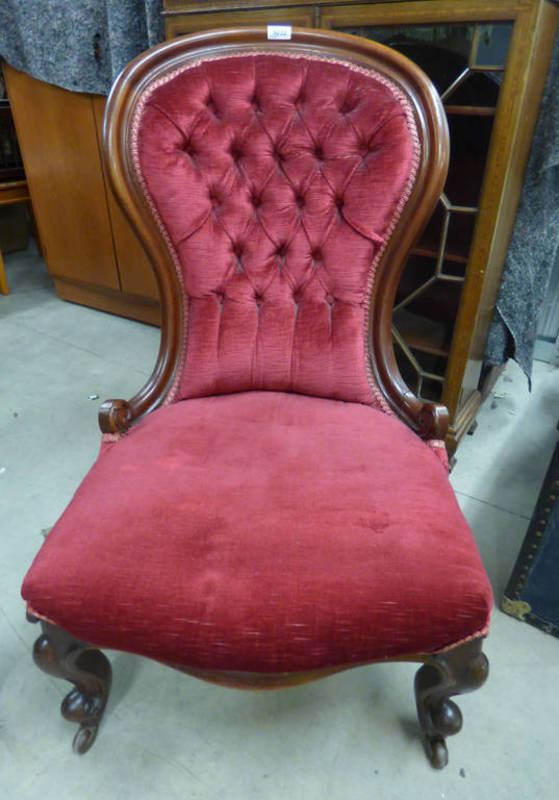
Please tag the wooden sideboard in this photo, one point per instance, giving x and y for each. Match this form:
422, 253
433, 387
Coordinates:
90, 250
449, 287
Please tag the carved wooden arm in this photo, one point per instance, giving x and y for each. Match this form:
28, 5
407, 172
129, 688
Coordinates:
115, 416
433, 421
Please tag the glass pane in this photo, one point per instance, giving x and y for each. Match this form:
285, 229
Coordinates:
422, 334
418, 270
479, 89
452, 269
438, 301
470, 136
459, 236
493, 44
442, 51
417, 367
430, 240
407, 370
431, 390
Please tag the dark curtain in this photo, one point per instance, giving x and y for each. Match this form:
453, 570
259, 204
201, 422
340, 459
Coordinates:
535, 240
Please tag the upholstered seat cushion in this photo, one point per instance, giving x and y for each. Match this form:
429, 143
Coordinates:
264, 532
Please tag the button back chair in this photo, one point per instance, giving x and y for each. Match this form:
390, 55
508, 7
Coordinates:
273, 506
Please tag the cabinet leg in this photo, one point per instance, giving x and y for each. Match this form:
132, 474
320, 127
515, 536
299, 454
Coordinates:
473, 427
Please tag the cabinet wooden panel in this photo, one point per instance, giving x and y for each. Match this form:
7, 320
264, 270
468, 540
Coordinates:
58, 140
90, 249
188, 23
135, 274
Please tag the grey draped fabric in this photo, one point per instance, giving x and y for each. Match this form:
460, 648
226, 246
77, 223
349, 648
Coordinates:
535, 240
80, 45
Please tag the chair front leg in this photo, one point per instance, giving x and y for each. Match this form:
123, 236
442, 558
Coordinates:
57, 653
460, 670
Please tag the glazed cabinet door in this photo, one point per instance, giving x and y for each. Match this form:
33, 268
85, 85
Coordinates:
466, 62
488, 61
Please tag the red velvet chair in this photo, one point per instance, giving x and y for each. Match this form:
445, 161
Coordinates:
273, 506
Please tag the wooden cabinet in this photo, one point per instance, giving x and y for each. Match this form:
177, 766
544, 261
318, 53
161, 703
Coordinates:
90, 250
489, 60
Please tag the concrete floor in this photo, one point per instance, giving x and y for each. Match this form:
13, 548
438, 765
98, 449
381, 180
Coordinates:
169, 736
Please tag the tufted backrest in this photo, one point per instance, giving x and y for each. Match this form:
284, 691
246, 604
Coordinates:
277, 180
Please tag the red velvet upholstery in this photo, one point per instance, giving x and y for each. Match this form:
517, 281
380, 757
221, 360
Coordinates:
277, 181
265, 532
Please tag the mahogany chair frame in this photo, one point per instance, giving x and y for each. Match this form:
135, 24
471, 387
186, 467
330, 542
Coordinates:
441, 675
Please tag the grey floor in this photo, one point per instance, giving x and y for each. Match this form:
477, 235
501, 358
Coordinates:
169, 736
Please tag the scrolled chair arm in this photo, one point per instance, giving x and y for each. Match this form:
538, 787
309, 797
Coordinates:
115, 416
432, 421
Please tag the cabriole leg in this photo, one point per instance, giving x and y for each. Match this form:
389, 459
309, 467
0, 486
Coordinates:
59, 654
457, 671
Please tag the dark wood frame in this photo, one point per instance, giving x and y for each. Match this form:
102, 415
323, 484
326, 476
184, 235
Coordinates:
461, 668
